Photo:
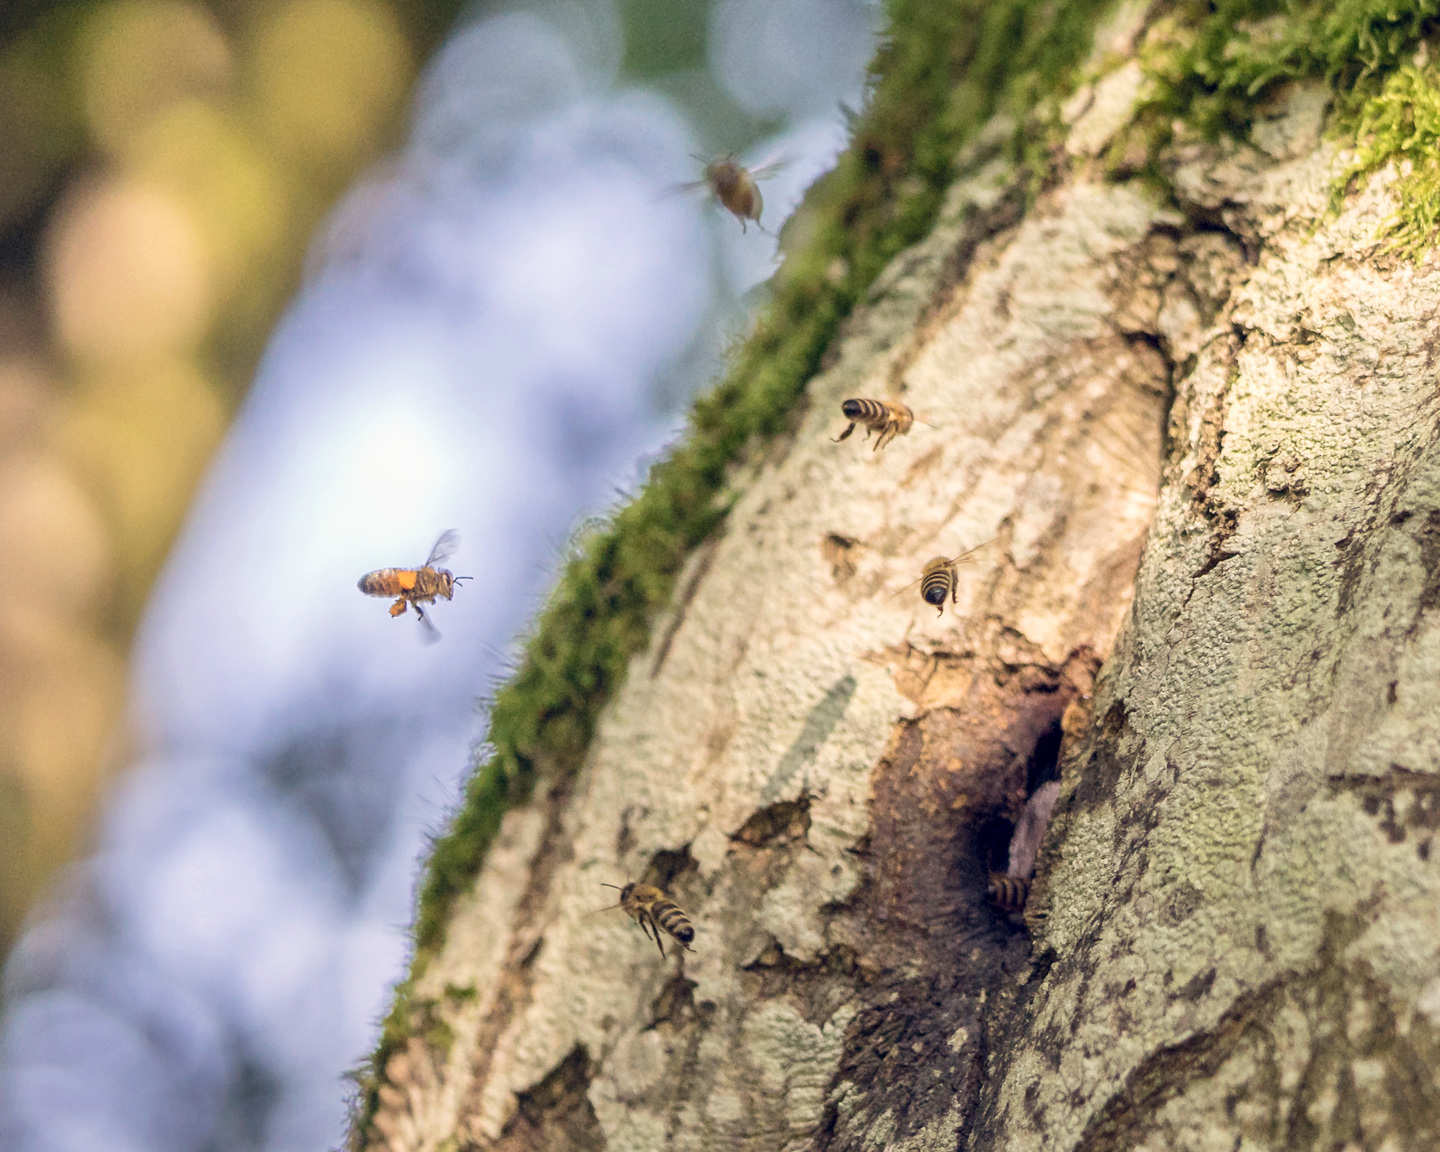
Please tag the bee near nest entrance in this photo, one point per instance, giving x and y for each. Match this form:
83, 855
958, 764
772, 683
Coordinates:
1009, 848
950, 798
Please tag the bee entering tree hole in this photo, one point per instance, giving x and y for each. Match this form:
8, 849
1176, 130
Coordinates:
1010, 877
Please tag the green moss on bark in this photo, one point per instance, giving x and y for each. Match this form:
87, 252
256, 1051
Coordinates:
1214, 67
1401, 124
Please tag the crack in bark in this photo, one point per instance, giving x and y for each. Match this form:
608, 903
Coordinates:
944, 799
554, 1115
515, 990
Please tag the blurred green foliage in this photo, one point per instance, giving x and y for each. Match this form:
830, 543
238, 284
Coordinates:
663, 36
154, 214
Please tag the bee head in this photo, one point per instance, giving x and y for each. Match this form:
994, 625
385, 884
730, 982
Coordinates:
723, 172
448, 591
852, 409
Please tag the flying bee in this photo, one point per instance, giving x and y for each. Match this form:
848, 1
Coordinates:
1009, 893
734, 185
890, 418
417, 585
653, 910
938, 580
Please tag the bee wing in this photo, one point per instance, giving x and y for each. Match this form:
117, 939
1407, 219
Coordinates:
907, 587
445, 547
770, 168
429, 634
964, 558
969, 556
681, 189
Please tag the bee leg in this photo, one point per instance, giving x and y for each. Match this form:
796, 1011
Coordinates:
849, 428
398, 608
655, 928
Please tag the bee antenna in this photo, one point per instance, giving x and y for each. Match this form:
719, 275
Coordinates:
615, 886
460, 578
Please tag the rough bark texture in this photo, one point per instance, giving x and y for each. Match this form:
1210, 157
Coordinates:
1202, 443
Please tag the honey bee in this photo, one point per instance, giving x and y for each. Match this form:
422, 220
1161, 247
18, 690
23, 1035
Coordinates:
890, 418
734, 185
417, 585
1009, 893
938, 579
653, 910
1010, 890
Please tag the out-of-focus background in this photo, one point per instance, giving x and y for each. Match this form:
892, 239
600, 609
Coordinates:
287, 288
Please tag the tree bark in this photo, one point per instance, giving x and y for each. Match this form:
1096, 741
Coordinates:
1200, 440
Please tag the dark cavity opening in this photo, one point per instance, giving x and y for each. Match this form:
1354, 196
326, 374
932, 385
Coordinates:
1044, 763
666, 867
992, 844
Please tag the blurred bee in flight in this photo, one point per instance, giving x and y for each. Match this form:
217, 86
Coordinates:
417, 585
653, 910
938, 579
890, 418
734, 185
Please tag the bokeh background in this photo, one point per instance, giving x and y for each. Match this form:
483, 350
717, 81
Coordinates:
287, 288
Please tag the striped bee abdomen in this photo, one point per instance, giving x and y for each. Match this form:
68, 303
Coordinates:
870, 412
668, 915
890, 418
938, 582
1008, 893
382, 582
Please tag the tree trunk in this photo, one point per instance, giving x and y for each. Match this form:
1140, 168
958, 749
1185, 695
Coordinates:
1198, 443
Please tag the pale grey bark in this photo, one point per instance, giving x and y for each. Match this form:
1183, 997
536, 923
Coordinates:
1203, 443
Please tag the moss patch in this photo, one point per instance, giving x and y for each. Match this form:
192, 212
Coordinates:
1401, 123
1214, 66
